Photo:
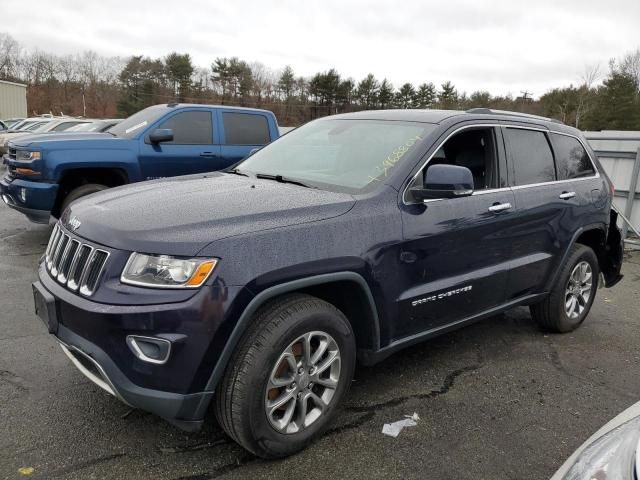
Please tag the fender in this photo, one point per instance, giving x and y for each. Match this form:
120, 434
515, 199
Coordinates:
565, 255
260, 299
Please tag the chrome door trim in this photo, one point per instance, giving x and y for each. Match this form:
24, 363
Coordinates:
494, 190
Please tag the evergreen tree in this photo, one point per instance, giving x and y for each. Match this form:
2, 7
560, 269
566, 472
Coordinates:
405, 96
385, 94
425, 96
368, 90
179, 70
448, 96
286, 83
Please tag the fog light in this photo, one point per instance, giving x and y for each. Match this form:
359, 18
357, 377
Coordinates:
23, 195
150, 349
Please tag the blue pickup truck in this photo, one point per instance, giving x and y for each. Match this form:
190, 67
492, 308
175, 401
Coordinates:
47, 172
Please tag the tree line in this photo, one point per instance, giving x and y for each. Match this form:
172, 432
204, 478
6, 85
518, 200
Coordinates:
96, 86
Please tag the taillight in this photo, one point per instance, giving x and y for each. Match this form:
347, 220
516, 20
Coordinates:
612, 188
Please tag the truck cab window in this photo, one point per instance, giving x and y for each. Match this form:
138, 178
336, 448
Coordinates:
245, 129
190, 128
474, 149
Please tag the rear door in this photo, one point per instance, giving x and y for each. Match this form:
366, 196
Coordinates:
241, 132
194, 148
553, 192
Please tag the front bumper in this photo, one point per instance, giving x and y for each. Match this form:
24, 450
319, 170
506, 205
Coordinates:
41, 197
93, 336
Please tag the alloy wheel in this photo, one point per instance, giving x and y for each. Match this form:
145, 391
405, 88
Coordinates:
579, 289
303, 382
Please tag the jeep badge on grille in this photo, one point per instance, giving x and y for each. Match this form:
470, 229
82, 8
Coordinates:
74, 224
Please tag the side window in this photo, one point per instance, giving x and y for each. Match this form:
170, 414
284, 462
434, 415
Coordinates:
572, 160
190, 128
474, 149
245, 129
530, 155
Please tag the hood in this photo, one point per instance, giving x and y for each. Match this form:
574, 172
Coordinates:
181, 215
51, 138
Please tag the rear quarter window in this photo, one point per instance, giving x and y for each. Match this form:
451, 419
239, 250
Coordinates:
572, 160
245, 129
530, 155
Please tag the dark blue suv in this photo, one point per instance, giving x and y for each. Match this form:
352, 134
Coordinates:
255, 290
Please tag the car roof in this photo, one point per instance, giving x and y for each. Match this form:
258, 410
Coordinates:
439, 116
226, 107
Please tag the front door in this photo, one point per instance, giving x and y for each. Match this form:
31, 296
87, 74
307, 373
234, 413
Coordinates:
192, 150
456, 252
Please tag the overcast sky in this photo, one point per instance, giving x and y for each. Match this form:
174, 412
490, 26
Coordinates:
503, 46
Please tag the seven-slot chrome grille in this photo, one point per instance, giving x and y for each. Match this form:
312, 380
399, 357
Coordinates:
74, 264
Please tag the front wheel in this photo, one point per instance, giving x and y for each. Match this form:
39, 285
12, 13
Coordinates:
81, 191
287, 377
570, 301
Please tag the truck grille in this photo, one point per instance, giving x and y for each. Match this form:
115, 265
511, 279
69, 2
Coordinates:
74, 264
12, 154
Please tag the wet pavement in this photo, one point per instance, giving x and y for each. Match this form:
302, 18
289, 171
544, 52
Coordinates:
496, 400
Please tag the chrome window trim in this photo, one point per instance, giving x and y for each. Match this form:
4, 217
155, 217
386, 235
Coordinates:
501, 189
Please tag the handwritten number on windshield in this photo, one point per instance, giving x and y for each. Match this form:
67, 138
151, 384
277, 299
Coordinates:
393, 158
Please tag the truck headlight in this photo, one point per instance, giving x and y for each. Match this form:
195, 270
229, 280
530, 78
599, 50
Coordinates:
26, 155
164, 271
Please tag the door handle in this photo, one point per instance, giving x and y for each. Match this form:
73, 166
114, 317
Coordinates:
499, 207
567, 195
208, 154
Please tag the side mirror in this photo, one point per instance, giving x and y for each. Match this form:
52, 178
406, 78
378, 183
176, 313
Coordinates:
445, 181
160, 135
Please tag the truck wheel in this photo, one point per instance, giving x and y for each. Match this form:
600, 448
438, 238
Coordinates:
569, 303
287, 376
81, 191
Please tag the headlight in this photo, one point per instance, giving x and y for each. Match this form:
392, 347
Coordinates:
163, 271
25, 155
612, 456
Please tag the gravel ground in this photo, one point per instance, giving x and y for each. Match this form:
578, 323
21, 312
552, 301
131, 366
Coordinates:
497, 400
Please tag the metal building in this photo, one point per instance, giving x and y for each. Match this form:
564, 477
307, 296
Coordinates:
619, 153
13, 100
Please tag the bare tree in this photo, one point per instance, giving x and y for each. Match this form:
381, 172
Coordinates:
9, 54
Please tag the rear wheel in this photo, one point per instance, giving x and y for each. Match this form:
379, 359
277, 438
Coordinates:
81, 191
287, 377
570, 301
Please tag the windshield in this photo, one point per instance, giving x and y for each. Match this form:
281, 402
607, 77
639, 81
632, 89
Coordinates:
347, 154
37, 127
86, 127
132, 126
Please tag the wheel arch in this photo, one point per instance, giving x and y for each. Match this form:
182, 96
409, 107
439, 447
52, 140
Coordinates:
326, 287
75, 177
593, 236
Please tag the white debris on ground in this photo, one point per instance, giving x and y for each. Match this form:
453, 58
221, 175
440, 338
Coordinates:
394, 429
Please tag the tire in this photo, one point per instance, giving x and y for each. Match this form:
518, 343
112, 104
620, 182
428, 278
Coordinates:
81, 191
245, 396
558, 313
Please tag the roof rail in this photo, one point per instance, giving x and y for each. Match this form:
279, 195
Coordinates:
490, 111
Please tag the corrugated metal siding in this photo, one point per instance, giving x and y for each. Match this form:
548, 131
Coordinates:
13, 100
618, 151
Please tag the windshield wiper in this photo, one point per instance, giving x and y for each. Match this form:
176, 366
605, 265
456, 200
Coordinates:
281, 179
235, 171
